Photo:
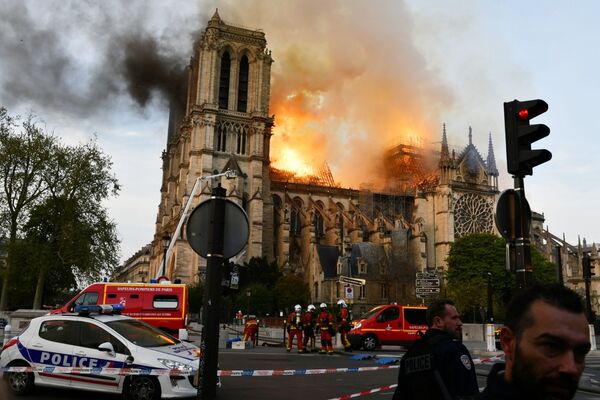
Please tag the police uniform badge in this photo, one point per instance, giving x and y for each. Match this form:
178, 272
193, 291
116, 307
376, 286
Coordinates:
464, 359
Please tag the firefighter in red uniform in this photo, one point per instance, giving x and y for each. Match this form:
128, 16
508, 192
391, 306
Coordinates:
325, 324
294, 328
309, 320
251, 331
344, 324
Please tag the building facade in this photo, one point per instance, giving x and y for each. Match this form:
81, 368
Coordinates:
312, 227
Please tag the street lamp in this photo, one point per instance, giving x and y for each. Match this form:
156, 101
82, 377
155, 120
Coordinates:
165, 242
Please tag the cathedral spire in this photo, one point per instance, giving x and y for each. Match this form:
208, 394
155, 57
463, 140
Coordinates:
445, 154
470, 136
216, 18
491, 160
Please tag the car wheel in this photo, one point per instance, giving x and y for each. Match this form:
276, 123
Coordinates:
143, 388
20, 383
370, 342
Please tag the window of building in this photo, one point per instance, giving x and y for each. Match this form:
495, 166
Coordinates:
224, 81
242, 100
295, 223
362, 266
361, 292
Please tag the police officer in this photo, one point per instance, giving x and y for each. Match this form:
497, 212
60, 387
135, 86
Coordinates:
438, 366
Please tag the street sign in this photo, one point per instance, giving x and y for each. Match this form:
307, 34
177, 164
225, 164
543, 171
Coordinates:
428, 290
426, 275
352, 281
349, 292
429, 282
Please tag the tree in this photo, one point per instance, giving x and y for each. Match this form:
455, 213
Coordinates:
290, 290
24, 159
64, 223
472, 257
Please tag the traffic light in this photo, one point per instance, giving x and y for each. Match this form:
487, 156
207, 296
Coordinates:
520, 135
586, 262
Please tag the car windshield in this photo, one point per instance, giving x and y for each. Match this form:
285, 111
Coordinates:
142, 334
370, 313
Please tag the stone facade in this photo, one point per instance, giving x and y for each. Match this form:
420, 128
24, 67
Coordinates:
312, 227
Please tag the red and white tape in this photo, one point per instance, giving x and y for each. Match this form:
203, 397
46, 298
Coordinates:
242, 372
366, 392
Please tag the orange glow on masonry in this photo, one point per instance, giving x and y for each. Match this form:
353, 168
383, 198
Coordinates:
291, 160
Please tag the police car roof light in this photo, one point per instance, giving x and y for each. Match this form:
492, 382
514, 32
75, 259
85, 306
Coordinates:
98, 309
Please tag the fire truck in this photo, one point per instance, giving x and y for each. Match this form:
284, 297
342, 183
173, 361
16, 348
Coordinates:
163, 305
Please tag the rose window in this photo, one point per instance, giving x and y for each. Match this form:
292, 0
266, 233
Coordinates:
472, 214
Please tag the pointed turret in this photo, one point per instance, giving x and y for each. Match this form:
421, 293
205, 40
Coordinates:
444, 154
491, 160
470, 136
216, 19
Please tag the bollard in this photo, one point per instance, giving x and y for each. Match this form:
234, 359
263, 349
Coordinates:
7, 334
490, 338
183, 334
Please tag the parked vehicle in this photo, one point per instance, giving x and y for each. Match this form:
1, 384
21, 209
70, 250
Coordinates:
163, 305
56, 346
389, 324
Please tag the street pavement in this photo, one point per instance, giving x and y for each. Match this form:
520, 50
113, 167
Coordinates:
318, 386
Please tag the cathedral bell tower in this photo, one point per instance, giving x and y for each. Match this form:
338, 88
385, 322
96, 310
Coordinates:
225, 125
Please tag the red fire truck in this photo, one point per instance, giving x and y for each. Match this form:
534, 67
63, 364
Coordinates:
163, 305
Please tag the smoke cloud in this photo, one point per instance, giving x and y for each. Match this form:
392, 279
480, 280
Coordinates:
347, 82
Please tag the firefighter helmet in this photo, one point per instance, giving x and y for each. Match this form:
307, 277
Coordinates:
342, 303
297, 308
311, 307
323, 305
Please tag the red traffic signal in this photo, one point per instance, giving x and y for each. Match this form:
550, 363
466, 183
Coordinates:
520, 135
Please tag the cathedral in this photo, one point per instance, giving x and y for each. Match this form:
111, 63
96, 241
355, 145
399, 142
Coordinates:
366, 244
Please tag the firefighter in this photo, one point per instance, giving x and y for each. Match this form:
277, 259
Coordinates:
309, 320
325, 324
251, 331
344, 321
294, 328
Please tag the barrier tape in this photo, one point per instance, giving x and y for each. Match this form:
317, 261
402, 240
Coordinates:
366, 392
233, 373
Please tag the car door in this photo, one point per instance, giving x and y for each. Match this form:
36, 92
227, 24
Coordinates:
52, 346
387, 322
86, 354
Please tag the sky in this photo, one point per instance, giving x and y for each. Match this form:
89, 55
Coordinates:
350, 78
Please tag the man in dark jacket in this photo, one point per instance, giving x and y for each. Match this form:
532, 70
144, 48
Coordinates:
545, 340
438, 366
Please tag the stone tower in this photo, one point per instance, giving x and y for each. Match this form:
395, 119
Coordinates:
224, 124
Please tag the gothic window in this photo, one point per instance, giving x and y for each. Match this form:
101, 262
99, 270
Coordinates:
222, 137
295, 223
242, 98
472, 214
234, 130
224, 81
319, 225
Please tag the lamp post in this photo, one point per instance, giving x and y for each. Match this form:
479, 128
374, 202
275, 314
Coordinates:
165, 242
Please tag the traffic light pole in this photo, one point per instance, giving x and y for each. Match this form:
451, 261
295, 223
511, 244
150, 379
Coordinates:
524, 273
212, 298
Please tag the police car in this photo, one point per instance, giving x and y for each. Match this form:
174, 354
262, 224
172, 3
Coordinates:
96, 349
